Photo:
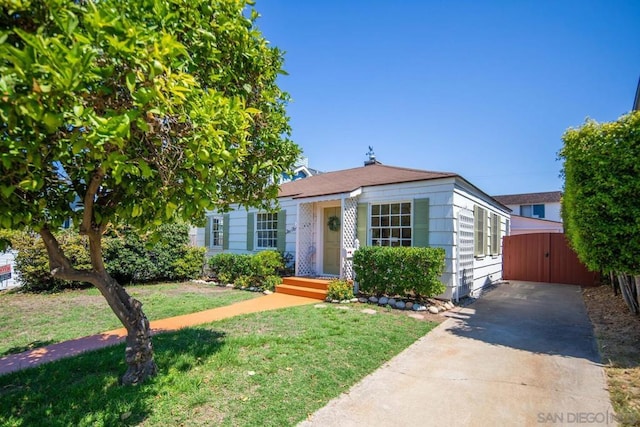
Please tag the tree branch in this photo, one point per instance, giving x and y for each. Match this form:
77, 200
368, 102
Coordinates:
60, 265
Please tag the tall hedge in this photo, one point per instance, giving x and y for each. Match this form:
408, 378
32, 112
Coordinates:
600, 206
399, 270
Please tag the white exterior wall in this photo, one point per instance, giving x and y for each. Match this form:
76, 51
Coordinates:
551, 210
441, 228
447, 198
238, 230
487, 268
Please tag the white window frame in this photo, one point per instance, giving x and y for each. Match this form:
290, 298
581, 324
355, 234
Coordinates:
216, 232
266, 230
394, 224
494, 236
480, 232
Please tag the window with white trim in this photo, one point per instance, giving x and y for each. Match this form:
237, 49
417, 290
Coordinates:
216, 231
532, 211
495, 234
480, 231
391, 224
266, 230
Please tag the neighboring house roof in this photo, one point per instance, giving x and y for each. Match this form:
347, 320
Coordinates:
530, 198
348, 180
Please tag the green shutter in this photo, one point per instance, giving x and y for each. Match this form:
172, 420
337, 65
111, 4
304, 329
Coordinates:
282, 230
250, 229
207, 233
363, 213
225, 231
421, 222
480, 227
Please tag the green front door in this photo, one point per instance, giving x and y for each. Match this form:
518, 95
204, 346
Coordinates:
331, 241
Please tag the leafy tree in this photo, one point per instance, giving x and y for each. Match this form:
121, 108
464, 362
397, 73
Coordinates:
134, 113
599, 206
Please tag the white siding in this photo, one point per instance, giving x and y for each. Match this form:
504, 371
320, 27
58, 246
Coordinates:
441, 228
551, 211
488, 268
447, 197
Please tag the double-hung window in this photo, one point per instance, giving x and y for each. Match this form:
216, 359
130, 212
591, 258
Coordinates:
480, 231
267, 230
391, 224
216, 232
495, 234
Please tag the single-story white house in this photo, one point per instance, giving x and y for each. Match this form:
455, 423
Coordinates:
322, 219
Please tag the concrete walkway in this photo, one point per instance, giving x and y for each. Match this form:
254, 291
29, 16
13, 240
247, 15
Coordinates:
522, 355
27, 359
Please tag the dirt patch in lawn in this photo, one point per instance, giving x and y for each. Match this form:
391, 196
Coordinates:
618, 333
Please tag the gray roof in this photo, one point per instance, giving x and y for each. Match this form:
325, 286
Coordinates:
348, 180
530, 198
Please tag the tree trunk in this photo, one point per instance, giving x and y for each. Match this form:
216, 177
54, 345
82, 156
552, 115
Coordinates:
628, 293
139, 350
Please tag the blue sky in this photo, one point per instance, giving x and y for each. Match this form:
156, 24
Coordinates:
481, 88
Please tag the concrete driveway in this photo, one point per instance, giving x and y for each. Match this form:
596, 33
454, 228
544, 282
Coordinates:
522, 355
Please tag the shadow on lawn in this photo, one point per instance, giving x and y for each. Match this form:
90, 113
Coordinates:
84, 390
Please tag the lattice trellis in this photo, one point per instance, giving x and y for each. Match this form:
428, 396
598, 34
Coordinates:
349, 233
465, 253
306, 247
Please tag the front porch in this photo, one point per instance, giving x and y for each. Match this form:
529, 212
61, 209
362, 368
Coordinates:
326, 234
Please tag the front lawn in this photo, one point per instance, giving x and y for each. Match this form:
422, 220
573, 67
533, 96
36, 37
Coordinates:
263, 369
34, 320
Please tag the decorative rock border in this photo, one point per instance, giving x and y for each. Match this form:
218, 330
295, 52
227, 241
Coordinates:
432, 305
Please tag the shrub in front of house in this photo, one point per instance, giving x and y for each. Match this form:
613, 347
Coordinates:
164, 255
190, 264
399, 270
259, 270
227, 268
340, 290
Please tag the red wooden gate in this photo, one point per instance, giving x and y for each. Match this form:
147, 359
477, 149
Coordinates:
543, 257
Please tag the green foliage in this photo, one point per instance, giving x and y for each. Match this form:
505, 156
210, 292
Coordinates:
266, 263
599, 206
260, 270
126, 258
172, 105
32, 261
228, 267
129, 257
163, 255
190, 265
399, 270
340, 290
270, 282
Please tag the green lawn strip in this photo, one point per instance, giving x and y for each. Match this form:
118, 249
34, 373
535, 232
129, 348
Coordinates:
264, 369
34, 320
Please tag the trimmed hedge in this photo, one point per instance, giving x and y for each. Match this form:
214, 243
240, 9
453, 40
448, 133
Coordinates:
260, 270
399, 270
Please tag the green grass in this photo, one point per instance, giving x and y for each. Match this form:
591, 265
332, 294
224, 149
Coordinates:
264, 369
35, 320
